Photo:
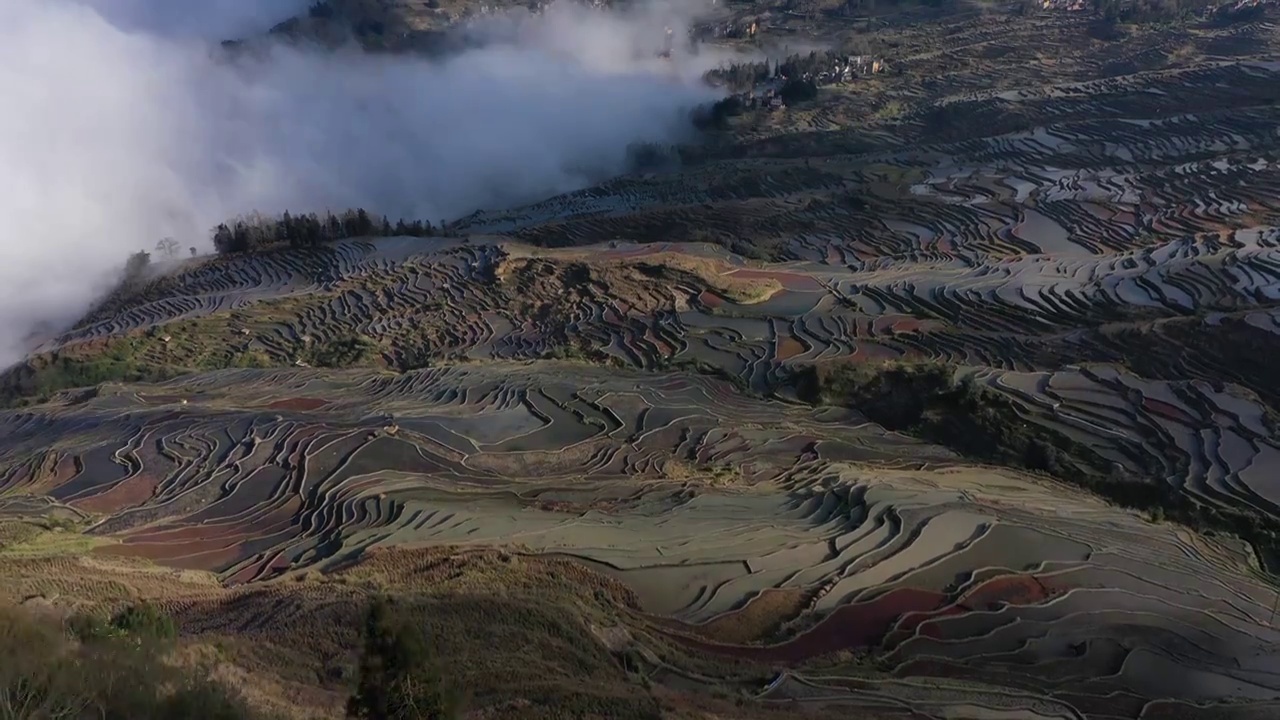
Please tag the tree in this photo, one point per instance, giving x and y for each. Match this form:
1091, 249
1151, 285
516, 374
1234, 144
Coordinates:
137, 263
399, 677
224, 240
168, 246
795, 91
321, 10
135, 270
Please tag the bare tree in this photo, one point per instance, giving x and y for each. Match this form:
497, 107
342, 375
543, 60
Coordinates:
168, 246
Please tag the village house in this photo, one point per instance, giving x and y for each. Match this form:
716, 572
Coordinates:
1064, 5
765, 95
734, 29
1237, 5
668, 43
851, 68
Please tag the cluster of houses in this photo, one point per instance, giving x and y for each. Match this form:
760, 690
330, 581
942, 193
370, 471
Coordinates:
1064, 5
764, 95
852, 67
538, 6
1232, 6
767, 99
734, 29
767, 95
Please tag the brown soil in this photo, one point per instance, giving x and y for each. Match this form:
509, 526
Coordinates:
127, 493
788, 348
1168, 410
750, 623
849, 627
789, 281
1011, 589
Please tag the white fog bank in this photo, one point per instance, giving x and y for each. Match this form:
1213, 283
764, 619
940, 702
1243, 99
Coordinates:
124, 123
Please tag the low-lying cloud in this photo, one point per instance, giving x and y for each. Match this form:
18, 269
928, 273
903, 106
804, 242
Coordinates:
124, 123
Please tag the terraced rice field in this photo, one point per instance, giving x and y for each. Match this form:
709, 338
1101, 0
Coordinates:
603, 385
821, 533
1024, 322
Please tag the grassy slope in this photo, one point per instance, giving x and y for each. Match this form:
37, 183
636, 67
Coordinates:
523, 637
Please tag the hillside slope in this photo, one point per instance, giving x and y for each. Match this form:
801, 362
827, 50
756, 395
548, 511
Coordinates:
943, 394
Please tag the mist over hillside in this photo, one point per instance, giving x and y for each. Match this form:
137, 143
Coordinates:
210, 19
135, 126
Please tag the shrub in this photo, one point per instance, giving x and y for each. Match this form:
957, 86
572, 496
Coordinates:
87, 628
104, 678
145, 621
39, 379
206, 700
342, 352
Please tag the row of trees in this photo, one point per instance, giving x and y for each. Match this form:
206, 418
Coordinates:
1148, 11
798, 66
746, 75
718, 113
741, 76
366, 20
652, 157
851, 8
256, 231
322, 10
